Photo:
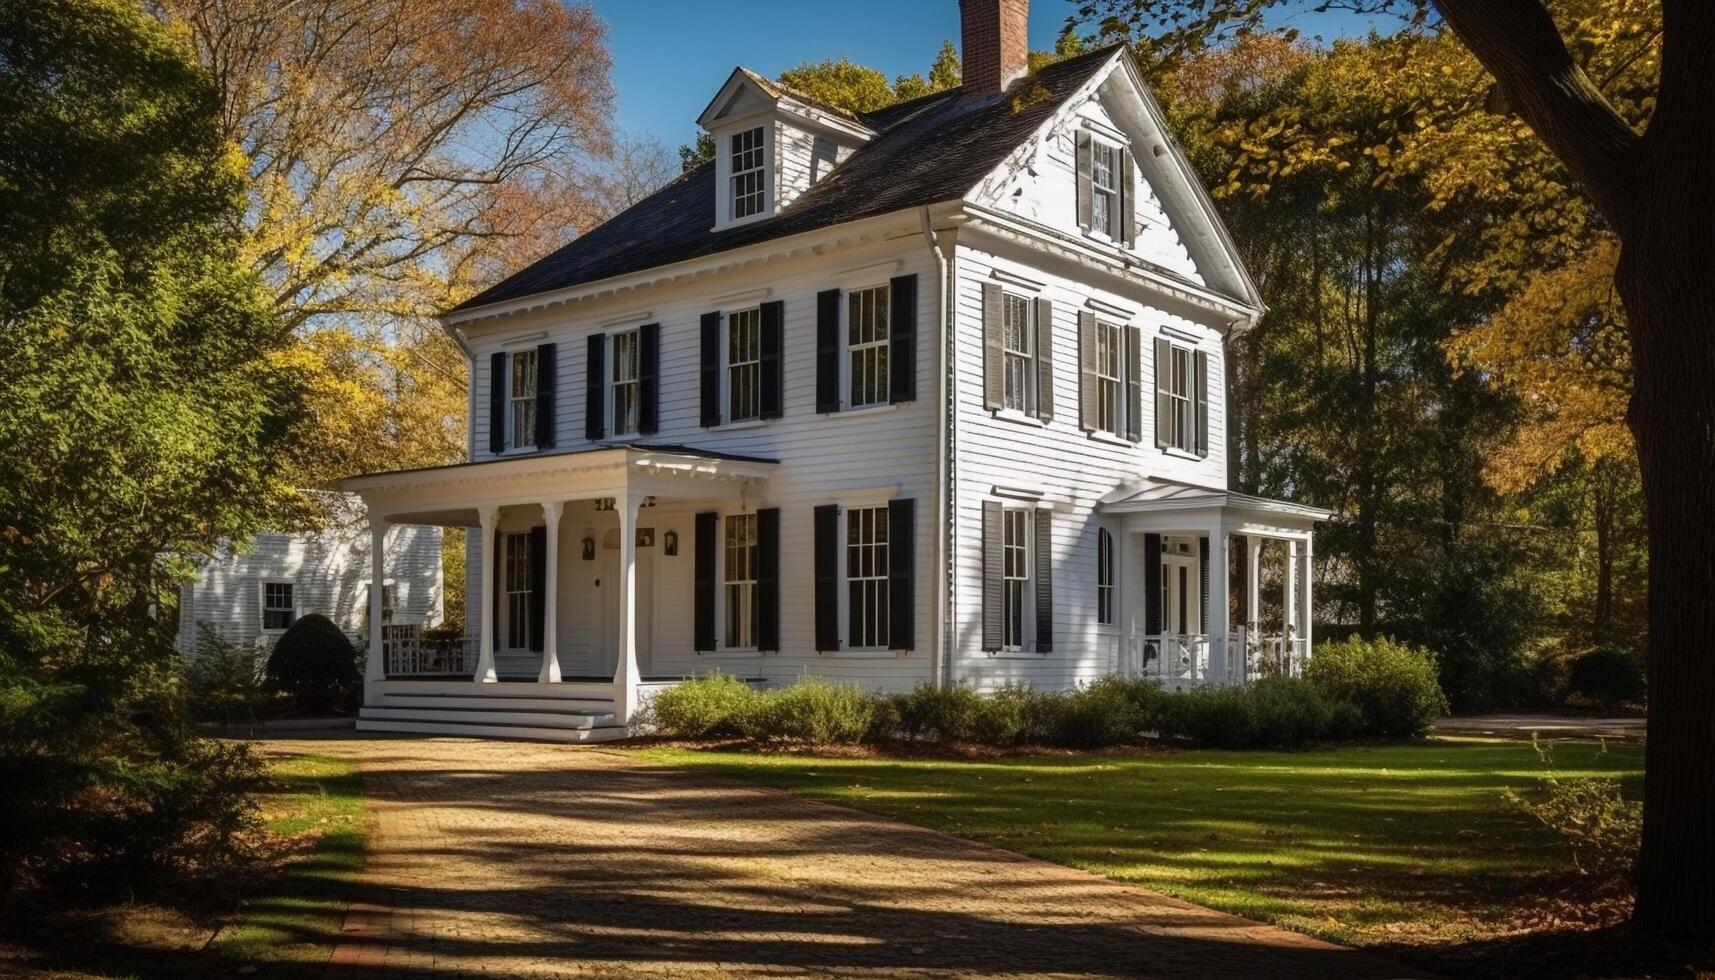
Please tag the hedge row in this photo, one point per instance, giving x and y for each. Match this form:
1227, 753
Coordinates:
1353, 690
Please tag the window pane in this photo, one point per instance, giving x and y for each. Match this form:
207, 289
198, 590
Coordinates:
866, 577
866, 341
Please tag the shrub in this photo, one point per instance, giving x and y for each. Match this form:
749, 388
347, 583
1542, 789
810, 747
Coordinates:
224, 680
315, 663
1601, 826
1608, 676
813, 710
711, 706
1102, 714
946, 713
1003, 718
1393, 686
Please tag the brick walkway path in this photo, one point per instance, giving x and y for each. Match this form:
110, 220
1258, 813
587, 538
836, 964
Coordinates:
508, 859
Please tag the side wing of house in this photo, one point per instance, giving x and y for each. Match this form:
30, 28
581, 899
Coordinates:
1095, 296
252, 596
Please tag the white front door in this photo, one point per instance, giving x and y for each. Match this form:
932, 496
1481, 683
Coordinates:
1181, 595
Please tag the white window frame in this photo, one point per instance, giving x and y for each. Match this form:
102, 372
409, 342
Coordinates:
1105, 199
1182, 398
389, 600
1111, 367
521, 398
1107, 592
1017, 597
516, 600
1016, 361
262, 601
876, 585
740, 589
873, 352
624, 387
748, 320
757, 153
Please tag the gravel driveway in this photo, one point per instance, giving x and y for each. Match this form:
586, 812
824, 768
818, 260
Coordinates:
511, 859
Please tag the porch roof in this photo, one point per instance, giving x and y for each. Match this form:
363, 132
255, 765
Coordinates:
1155, 495
452, 495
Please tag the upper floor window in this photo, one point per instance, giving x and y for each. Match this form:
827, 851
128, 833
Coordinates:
866, 577
1104, 194
740, 579
1104, 577
1110, 378
748, 173
278, 608
866, 346
626, 402
1181, 410
744, 365
1104, 189
1017, 334
522, 414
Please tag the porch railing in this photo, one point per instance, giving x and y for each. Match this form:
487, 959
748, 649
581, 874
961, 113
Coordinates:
1179, 658
409, 651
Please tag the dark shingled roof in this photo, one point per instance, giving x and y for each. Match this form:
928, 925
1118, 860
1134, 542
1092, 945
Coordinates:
930, 149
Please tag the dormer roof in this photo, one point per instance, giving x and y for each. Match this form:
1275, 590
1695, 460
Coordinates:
745, 93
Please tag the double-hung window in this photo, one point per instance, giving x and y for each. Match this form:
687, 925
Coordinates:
1017, 336
1104, 577
744, 365
522, 402
1015, 575
748, 173
389, 594
740, 579
518, 591
1182, 410
866, 346
1104, 189
866, 577
625, 387
278, 608
1110, 378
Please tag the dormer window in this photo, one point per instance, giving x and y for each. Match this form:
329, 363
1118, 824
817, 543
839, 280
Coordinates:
749, 176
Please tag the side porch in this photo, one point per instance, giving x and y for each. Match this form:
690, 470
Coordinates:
1183, 548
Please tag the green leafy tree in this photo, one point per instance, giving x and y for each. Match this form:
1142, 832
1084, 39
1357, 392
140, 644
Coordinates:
841, 83
143, 407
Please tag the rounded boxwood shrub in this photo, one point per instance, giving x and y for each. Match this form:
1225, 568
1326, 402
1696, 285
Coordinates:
316, 664
1608, 676
948, 714
813, 710
711, 706
1393, 686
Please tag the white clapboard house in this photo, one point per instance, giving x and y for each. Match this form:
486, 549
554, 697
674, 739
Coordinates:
926, 395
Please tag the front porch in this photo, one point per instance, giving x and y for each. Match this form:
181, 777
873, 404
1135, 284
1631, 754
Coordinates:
1183, 544
572, 633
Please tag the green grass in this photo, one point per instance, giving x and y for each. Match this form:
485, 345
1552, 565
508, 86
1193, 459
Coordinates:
1369, 845
298, 916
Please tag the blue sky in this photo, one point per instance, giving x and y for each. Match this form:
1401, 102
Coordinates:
669, 56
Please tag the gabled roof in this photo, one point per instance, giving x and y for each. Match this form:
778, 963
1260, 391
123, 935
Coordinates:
930, 149
1156, 494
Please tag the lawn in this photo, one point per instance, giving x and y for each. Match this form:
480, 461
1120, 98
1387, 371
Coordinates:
1382, 846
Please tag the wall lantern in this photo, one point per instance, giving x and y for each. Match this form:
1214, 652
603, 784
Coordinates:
670, 544
589, 549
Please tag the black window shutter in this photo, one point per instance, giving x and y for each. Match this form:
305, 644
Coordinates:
768, 578
1044, 574
1128, 204
497, 402
773, 392
1044, 359
1088, 381
1203, 584
901, 574
994, 354
994, 557
1133, 384
828, 350
547, 375
1084, 203
499, 585
1202, 396
902, 339
703, 599
827, 563
709, 370
595, 386
538, 585
1151, 584
1163, 398
648, 378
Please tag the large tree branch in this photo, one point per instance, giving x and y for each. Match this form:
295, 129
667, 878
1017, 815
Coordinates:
1517, 41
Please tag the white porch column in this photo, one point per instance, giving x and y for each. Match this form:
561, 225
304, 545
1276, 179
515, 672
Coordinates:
1289, 592
625, 675
1306, 611
375, 664
490, 518
551, 511
1218, 625
1253, 584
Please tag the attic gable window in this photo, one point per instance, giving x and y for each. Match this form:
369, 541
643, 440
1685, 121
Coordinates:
1104, 190
748, 173
1105, 208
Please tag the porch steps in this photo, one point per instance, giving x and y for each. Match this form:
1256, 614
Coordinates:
426, 726
453, 702
524, 711
497, 716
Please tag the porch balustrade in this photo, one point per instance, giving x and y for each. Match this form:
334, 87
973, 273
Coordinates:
408, 651
1179, 658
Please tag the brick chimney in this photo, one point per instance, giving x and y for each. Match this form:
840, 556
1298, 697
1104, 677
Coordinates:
993, 44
